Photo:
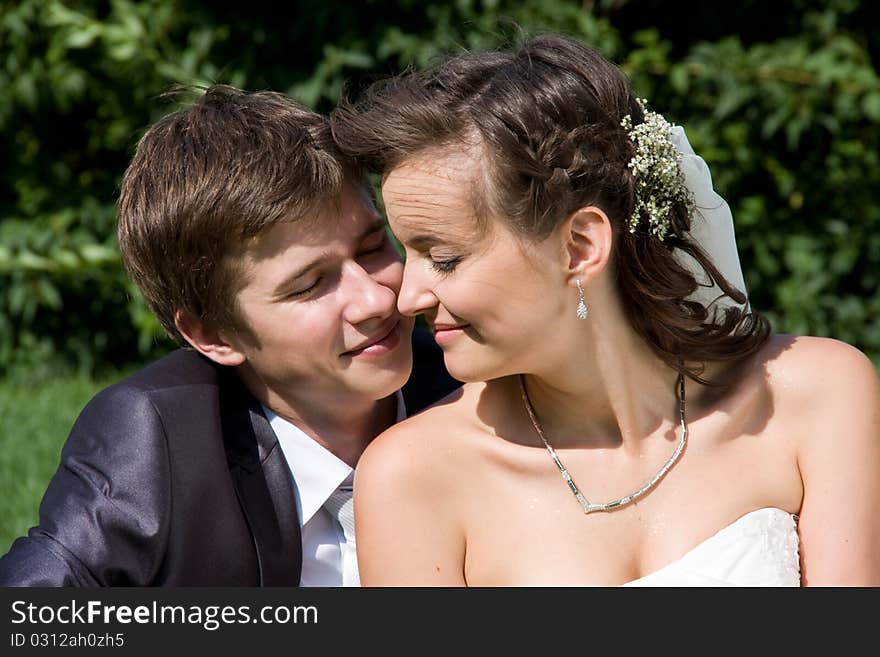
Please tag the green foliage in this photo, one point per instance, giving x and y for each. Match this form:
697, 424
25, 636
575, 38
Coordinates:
35, 418
792, 133
786, 113
80, 82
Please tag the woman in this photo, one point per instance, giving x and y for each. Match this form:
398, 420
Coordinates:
613, 430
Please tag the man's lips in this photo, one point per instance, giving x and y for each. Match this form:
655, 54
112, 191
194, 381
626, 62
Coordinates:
382, 342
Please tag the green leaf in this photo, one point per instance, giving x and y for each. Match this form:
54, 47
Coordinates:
98, 254
679, 78
871, 106
49, 294
82, 37
34, 262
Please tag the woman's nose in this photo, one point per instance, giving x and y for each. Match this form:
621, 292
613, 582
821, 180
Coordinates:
416, 295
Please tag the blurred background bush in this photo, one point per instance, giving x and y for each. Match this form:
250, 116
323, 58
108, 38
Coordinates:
782, 100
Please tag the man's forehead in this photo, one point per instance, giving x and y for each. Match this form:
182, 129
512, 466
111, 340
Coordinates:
341, 221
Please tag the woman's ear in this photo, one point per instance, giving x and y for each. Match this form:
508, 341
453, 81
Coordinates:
207, 340
588, 235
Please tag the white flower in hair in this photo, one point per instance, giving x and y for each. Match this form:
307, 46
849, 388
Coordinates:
656, 167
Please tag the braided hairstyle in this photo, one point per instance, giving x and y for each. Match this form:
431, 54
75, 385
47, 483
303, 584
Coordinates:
547, 118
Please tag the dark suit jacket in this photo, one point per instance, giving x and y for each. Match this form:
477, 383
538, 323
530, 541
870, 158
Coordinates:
173, 477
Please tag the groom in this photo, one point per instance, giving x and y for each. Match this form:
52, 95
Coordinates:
230, 462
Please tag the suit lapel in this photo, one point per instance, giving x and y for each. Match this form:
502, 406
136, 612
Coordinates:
263, 484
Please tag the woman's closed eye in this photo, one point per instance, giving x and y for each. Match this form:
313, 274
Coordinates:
444, 264
443, 260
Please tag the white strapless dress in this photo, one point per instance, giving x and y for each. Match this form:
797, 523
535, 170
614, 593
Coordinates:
759, 548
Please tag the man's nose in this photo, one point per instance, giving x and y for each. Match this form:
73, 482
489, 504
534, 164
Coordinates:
367, 297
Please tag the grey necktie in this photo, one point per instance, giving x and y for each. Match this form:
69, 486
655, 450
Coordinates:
340, 504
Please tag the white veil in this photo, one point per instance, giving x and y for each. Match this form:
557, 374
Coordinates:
711, 228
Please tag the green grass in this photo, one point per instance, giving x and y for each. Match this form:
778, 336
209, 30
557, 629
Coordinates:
35, 418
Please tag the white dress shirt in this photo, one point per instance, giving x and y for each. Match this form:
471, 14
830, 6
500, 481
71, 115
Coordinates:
328, 560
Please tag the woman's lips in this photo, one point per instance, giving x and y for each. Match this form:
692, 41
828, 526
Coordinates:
447, 334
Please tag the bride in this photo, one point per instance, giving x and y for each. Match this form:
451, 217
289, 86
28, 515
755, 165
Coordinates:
627, 418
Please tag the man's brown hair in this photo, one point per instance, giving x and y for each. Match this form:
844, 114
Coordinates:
205, 180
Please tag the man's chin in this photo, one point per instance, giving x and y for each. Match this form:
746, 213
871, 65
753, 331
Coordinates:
379, 375
377, 385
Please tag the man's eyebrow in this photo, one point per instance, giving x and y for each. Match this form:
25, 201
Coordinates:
377, 224
282, 289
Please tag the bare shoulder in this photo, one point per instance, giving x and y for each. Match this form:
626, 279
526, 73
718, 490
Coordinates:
827, 397
411, 499
825, 391
423, 446
807, 368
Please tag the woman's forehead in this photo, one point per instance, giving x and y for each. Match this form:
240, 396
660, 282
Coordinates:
433, 190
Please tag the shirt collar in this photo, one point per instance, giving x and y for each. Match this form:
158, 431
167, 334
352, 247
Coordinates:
316, 471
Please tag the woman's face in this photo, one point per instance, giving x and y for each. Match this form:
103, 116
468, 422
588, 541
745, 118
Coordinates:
490, 297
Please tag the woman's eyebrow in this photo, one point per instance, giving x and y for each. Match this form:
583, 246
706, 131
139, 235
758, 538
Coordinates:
423, 242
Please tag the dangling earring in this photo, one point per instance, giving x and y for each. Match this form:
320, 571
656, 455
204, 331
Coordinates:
582, 311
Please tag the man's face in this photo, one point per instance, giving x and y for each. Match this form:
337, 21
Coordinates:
320, 307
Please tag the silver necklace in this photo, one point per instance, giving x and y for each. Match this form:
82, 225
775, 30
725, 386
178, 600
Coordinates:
608, 506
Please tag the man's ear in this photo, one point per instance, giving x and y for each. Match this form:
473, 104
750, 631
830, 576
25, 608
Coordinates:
588, 237
208, 340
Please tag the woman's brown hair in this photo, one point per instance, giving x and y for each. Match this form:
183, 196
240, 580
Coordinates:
548, 116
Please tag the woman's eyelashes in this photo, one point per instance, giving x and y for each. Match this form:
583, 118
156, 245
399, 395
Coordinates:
444, 265
443, 259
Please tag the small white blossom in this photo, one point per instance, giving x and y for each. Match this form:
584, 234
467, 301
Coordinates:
656, 169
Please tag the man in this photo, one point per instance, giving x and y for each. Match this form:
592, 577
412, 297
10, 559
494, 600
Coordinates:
230, 462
